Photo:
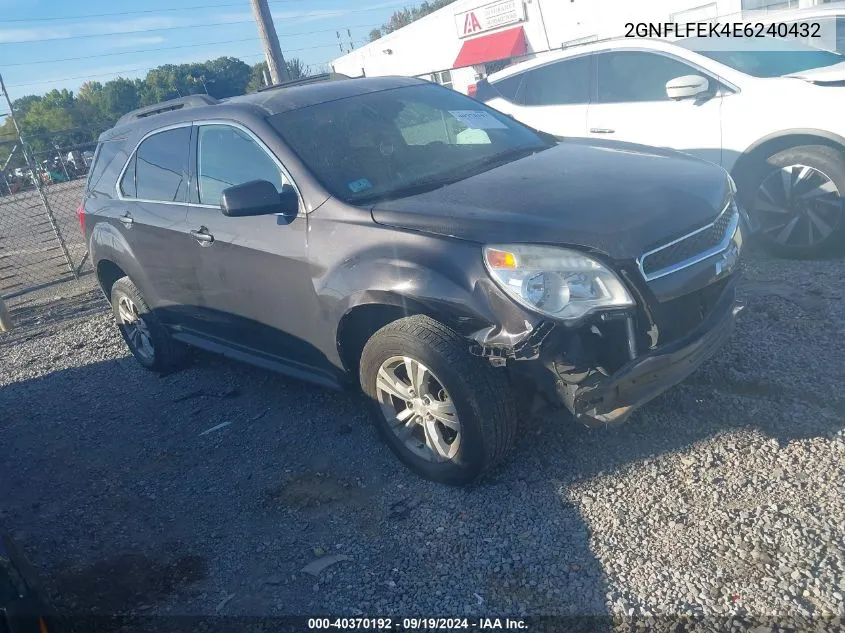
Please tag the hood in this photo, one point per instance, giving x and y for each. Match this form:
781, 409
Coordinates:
826, 75
616, 198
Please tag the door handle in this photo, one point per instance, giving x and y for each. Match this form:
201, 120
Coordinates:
203, 237
602, 130
127, 220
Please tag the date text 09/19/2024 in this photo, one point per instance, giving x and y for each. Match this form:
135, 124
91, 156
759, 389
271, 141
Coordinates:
417, 624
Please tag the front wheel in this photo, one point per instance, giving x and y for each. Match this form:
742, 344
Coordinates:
447, 414
797, 199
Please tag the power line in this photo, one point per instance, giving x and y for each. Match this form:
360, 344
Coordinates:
186, 26
197, 45
142, 11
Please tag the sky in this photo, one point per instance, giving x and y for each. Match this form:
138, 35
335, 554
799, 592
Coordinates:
46, 44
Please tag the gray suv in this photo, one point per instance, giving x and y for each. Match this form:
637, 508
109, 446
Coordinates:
461, 267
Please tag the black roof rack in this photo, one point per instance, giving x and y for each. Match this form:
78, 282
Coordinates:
306, 80
191, 101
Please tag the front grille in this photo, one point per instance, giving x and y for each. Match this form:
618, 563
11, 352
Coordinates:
678, 317
689, 247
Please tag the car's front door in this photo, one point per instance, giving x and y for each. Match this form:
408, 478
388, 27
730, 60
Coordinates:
152, 215
257, 290
631, 104
553, 98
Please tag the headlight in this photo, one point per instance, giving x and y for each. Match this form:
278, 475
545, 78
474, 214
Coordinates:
561, 283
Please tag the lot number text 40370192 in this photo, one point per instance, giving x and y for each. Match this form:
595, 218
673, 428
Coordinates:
418, 624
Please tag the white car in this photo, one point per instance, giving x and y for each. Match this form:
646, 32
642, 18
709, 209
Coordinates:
829, 17
771, 112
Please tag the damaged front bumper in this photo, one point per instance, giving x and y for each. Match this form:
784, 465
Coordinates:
614, 398
552, 366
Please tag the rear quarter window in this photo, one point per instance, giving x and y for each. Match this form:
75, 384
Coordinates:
109, 158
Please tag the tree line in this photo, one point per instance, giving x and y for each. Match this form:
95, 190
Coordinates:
62, 119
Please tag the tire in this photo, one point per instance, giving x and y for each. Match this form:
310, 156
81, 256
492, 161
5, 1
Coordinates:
456, 381
805, 218
159, 352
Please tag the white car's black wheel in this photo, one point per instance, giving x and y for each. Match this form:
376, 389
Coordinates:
446, 414
798, 201
144, 335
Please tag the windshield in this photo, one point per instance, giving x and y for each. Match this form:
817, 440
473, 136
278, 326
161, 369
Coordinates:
764, 57
402, 141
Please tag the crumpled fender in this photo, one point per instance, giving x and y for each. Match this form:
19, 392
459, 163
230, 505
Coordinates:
496, 342
481, 312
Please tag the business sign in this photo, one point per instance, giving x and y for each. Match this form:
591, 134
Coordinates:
490, 16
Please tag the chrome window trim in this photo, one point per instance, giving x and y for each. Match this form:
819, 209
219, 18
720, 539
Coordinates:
119, 193
720, 247
302, 213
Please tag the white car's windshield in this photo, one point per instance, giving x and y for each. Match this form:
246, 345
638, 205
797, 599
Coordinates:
402, 141
763, 57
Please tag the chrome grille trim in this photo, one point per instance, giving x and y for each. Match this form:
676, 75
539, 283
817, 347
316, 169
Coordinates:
730, 208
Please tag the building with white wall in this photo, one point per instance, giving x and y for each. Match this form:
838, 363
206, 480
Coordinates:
469, 39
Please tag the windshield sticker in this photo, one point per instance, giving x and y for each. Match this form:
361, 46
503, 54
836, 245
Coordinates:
357, 186
478, 119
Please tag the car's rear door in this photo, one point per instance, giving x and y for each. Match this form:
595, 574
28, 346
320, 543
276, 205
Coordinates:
553, 98
257, 290
631, 104
152, 209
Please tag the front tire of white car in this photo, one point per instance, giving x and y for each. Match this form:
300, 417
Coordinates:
798, 199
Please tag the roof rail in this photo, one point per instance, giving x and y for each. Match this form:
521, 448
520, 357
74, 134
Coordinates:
306, 80
191, 101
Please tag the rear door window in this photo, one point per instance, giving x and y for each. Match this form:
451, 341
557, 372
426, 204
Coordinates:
161, 166
566, 82
228, 156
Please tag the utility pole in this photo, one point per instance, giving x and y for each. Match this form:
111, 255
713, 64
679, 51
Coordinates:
272, 51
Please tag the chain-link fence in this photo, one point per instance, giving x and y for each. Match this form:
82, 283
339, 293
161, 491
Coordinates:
40, 239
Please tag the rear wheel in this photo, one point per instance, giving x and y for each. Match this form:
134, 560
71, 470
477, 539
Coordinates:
446, 414
797, 199
143, 333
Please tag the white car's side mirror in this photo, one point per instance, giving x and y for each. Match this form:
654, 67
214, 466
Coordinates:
687, 87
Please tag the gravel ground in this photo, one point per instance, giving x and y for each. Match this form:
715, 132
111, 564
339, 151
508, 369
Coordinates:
209, 490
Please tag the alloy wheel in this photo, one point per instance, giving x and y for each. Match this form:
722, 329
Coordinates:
418, 409
137, 332
798, 206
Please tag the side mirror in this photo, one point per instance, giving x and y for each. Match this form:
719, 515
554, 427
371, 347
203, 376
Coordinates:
259, 197
687, 87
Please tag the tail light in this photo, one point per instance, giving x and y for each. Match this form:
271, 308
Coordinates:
80, 215
472, 90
